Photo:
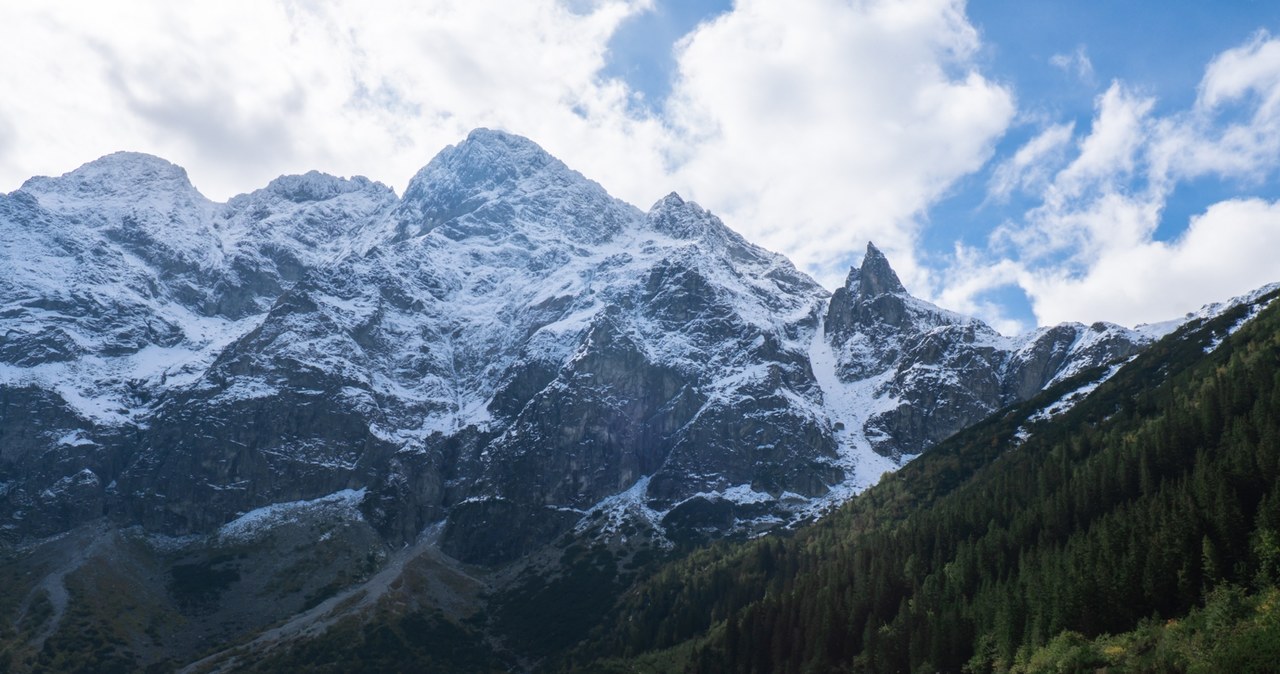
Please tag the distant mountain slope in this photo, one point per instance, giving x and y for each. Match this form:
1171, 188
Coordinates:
1153, 490
321, 403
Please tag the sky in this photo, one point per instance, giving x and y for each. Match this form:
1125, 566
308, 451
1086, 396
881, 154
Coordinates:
1027, 162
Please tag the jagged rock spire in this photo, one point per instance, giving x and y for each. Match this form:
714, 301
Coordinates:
876, 277
871, 296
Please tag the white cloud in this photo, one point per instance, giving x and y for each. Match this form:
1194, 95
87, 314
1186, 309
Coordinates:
970, 277
816, 126
1088, 205
1076, 63
1110, 151
1250, 68
241, 91
1227, 251
1029, 168
1234, 127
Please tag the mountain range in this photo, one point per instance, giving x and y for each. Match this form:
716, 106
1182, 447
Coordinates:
269, 412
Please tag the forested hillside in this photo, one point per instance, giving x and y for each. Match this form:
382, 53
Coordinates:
1019, 543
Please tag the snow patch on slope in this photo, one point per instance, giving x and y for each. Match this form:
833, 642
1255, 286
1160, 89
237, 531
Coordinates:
1074, 396
626, 506
101, 388
1253, 313
256, 523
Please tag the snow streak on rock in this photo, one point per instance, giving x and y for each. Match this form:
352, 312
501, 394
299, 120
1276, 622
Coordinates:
847, 406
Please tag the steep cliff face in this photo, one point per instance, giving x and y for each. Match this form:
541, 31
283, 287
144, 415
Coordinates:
502, 354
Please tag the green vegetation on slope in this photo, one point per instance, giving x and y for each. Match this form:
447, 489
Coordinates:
1155, 492
1234, 632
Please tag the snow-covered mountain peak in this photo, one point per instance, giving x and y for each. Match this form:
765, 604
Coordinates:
300, 221
680, 219
120, 175
126, 219
317, 186
494, 184
673, 198
686, 221
873, 304
486, 159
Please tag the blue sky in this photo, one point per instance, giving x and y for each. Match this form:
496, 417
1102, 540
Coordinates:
642, 50
1027, 162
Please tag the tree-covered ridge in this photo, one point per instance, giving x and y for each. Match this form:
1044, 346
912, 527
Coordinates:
1147, 496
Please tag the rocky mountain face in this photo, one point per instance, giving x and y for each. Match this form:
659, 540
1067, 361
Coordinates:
933, 372
497, 357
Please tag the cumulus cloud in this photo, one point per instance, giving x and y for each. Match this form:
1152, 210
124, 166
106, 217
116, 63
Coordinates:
1110, 150
817, 126
1234, 127
1089, 206
1250, 68
1227, 250
968, 282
